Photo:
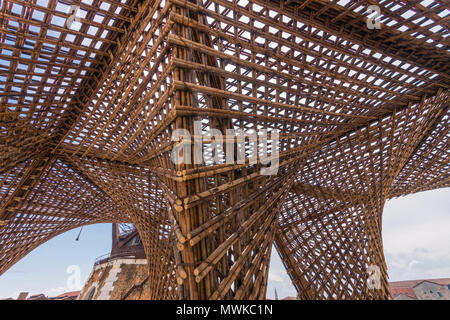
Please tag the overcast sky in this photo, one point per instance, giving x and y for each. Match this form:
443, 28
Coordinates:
415, 231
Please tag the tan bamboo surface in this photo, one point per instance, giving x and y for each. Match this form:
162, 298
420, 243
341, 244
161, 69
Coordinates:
88, 111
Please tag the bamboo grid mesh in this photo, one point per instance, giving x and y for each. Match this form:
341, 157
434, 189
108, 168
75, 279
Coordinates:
87, 113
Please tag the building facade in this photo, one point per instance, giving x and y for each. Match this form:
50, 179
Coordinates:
429, 289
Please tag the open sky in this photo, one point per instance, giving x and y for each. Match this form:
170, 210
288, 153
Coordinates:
415, 232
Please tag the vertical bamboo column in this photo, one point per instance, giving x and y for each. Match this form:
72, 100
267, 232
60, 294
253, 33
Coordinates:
226, 215
193, 217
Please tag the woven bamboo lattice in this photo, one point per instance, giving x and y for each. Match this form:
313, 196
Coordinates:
92, 91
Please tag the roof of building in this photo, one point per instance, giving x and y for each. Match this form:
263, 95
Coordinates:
405, 295
403, 290
39, 296
432, 281
413, 283
72, 295
69, 294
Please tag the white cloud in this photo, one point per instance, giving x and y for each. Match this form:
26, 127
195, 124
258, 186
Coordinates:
275, 277
279, 279
416, 236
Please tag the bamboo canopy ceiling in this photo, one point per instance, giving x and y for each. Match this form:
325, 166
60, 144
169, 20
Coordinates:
92, 91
